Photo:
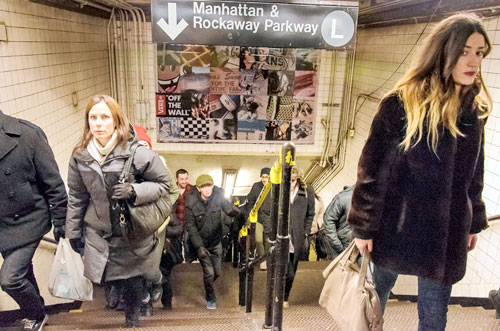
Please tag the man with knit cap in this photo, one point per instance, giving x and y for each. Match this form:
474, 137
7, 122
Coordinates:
263, 226
204, 224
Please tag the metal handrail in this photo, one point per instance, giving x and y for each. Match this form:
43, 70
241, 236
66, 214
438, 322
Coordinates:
493, 218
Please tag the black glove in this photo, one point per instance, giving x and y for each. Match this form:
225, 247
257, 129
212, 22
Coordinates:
59, 232
77, 245
123, 191
202, 253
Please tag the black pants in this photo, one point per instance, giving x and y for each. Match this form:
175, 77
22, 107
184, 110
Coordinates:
212, 268
291, 269
18, 280
132, 293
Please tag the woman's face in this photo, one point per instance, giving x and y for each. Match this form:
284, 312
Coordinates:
293, 182
101, 123
469, 62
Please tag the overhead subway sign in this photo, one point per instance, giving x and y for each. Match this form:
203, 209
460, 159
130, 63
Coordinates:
253, 24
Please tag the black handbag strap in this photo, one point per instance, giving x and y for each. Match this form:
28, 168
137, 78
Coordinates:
128, 164
123, 221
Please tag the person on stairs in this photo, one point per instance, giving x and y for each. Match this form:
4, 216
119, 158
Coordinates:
204, 222
417, 203
32, 199
94, 169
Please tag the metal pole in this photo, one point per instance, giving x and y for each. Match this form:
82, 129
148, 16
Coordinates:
282, 237
249, 267
271, 259
242, 274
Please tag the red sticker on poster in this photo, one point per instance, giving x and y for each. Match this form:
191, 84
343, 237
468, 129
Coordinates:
160, 105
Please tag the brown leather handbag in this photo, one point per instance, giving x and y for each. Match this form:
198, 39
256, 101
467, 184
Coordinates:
348, 296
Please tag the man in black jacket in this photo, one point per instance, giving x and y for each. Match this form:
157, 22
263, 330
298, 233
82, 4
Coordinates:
204, 223
32, 194
338, 232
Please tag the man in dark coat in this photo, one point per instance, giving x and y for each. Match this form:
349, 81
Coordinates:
264, 215
338, 232
32, 194
205, 227
182, 181
301, 218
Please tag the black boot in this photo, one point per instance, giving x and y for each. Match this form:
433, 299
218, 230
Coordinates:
147, 309
495, 300
132, 316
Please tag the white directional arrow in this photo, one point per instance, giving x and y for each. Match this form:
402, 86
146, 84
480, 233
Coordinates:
172, 28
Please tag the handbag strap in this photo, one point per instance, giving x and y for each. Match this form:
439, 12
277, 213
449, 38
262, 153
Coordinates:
364, 269
123, 224
128, 164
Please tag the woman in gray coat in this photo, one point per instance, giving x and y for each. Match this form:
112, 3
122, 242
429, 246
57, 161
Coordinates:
94, 169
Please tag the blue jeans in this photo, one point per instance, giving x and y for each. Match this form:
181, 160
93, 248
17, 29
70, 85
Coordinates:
433, 298
212, 269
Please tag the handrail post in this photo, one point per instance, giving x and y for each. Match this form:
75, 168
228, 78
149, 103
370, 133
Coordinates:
249, 269
282, 237
271, 257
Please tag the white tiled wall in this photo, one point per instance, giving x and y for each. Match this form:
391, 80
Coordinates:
379, 53
49, 54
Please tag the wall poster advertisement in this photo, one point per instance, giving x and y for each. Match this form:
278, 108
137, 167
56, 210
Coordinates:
236, 94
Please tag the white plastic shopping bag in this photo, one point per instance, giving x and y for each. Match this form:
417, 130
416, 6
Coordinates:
66, 277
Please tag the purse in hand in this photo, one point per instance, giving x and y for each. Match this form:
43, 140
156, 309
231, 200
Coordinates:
138, 222
348, 296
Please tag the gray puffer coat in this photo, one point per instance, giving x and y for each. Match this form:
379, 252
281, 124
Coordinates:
107, 255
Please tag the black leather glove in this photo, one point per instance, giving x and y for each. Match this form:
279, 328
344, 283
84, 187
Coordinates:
59, 232
202, 253
77, 245
123, 191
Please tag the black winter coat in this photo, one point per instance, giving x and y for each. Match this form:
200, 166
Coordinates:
264, 214
301, 218
204, 220
172, 250
419, 206
32, 193
338, 232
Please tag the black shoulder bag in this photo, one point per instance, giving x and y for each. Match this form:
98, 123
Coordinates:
140, 222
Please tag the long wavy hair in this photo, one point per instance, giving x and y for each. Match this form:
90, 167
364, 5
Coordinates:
428, 90
120, 121
300, 177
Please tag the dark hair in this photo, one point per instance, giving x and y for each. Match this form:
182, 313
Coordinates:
181, 172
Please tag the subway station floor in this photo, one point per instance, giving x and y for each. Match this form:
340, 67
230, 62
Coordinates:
189, 312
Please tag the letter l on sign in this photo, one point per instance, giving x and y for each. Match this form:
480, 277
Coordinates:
172, 29
334, 27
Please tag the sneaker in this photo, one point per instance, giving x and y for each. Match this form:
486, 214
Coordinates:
285, 304
146, 310
34, 325
495, 300
263, 266
211, 305
157, 291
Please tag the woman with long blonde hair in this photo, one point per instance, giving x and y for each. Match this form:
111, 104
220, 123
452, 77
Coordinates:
417, 203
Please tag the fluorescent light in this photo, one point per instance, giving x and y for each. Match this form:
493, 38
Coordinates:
228, 181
